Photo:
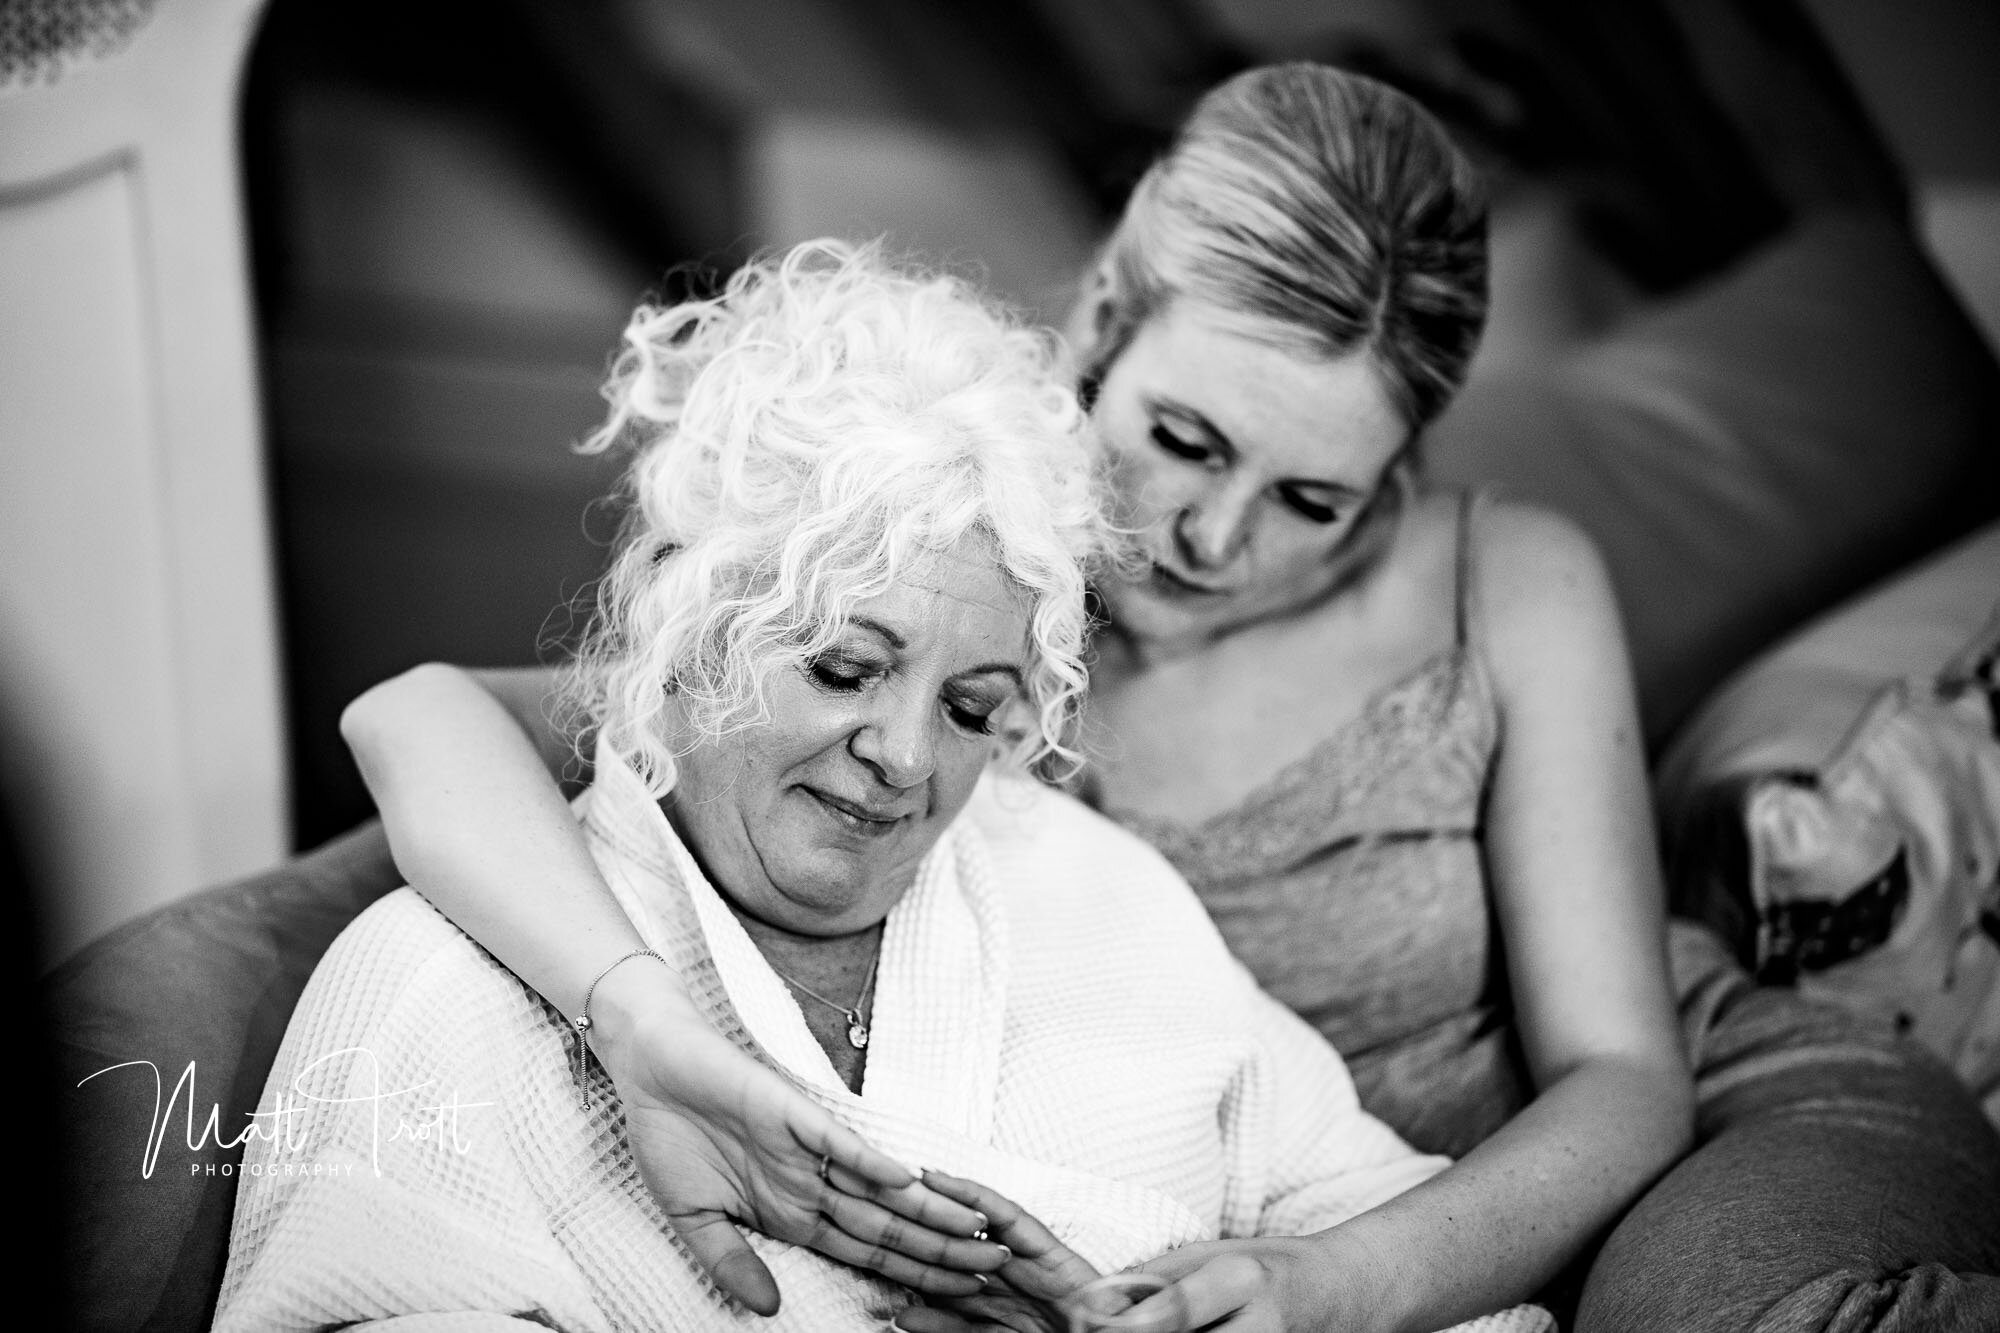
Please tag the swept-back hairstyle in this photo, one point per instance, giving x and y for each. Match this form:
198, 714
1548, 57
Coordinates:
800, 439
1330, 209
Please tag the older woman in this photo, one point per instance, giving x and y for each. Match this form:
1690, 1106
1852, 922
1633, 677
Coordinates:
1389, 735
848, 604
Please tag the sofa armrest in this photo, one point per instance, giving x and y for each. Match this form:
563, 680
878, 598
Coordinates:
202, 988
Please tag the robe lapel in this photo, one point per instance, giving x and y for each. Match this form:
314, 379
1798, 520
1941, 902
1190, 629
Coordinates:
940, 990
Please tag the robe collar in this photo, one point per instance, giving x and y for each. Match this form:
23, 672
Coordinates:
940, 990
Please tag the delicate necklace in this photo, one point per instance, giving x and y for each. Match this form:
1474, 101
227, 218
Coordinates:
857, 1027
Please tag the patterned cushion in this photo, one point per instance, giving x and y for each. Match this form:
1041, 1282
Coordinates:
1836, 810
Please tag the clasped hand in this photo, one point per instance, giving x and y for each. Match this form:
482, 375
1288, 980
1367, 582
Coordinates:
723, 1140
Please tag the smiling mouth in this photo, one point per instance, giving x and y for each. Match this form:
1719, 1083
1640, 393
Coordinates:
862, 819
1168, 581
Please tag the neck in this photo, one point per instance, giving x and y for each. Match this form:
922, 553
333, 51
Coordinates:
838, 968
805, 956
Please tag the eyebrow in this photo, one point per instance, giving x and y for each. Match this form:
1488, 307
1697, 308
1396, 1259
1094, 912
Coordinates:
993, 669
899, 643
1199, 420
893, 639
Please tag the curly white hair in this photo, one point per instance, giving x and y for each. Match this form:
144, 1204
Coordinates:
800, 439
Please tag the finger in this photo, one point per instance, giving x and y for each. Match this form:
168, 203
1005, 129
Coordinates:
1217, 1290
1007, 1314
1043, 1266
1000, 1212
929, 1319
728, 1259
823, 1136
916, 1201
929, 1279
1177, 1264
873, 1224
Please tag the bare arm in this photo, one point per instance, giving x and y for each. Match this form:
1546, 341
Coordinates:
1569, 843
1570, 846
462, 767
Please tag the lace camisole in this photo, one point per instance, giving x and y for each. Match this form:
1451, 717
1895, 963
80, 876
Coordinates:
1352, 885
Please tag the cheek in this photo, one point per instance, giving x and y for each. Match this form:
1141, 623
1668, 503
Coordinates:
1290, 544
1294, 556
961, 759
705, 773
1146, 486
804, 722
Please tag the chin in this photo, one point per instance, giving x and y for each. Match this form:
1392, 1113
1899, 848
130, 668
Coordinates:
836, 895
1140, 614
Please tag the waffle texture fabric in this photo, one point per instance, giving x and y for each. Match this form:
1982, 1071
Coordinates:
1054, 1016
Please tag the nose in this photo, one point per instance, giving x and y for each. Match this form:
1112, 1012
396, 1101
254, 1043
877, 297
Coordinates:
1212, 530
898, 739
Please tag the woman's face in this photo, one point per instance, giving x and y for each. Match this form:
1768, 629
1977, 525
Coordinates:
815, 821
1244, 464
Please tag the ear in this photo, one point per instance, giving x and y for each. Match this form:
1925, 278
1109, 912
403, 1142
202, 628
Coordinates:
1094, 311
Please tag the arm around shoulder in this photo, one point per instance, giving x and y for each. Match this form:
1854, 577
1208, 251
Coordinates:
478, 825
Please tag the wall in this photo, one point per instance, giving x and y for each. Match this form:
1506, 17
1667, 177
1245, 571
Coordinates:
139, 700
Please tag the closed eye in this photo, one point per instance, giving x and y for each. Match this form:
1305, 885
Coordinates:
1180, 447
1308, 504
973, 712
841, 675
978, 721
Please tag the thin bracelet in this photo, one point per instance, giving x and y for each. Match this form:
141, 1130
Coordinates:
582, 1023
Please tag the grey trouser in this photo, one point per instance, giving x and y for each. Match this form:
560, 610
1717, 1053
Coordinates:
1842, 1179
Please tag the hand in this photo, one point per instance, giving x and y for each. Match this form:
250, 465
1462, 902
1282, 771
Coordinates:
1268, 1284
719, 1138
1024, 1295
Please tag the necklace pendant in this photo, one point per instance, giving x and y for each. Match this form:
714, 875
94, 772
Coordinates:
857, 1032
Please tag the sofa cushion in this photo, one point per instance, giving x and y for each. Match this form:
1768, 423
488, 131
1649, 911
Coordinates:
1753, 451
1836, 810
202, 989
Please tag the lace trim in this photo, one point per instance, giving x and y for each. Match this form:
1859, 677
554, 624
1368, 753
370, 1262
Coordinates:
1439, 712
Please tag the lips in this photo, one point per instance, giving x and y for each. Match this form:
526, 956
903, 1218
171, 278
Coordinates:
1175, 584
858, 815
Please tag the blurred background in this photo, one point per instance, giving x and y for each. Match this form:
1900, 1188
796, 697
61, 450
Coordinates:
308, 426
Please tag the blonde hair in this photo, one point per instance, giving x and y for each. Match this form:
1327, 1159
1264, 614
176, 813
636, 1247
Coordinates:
799, 439
1330, 209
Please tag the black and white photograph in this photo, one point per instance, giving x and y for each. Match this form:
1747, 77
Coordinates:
1002, 666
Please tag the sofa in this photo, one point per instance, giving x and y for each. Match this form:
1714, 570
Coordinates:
1716, 547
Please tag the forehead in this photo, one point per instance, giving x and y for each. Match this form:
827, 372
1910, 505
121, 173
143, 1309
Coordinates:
1305, 415
956, 601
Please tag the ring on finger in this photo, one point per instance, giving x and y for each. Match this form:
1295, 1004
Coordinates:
825, 1168
979, 1234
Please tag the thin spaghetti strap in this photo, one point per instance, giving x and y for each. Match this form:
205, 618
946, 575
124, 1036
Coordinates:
1464, 589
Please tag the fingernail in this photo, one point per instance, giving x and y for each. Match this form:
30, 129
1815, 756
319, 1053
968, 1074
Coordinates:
1006, 1251
984, 1220
981, 1277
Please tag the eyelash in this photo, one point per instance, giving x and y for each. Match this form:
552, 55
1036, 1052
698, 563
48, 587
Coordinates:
1189, 452
979, 724
1185, 450
828, 675
1310, 510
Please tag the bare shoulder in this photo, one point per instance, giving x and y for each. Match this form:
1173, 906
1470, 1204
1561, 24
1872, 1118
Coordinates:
1541, 595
